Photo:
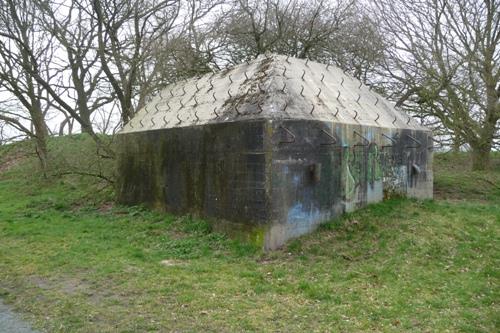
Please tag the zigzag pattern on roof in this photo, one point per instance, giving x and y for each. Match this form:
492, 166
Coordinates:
270, 87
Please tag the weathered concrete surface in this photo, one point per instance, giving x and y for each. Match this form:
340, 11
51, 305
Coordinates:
211, 169
276, 179
271, 148
330, 169
270, 87
11, 322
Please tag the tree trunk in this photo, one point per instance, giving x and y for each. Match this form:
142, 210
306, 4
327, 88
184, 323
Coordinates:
87, 125
456, 143
481, 158
126, 110
61, 127
41, 135
43, 155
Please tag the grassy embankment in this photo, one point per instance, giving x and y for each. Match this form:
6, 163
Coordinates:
70, 261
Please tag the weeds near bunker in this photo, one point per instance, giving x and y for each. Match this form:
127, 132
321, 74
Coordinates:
401, 265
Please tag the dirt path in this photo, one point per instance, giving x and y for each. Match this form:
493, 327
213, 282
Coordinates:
11, 322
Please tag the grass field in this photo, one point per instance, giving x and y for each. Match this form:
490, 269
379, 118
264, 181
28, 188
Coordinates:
71, 261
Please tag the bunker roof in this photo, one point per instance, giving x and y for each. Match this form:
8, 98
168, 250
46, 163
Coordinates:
269, 87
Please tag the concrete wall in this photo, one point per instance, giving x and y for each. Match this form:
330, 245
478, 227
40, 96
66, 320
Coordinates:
273, 180
322, 169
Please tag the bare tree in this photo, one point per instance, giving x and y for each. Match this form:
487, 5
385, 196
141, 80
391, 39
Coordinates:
126, 31
339, 32
445, 58
31, 64
18, 33
184, 50
75, 30
358, 47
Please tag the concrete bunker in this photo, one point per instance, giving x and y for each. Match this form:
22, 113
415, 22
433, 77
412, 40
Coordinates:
271, 148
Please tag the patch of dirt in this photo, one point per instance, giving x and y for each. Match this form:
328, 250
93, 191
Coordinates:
458, 197
10, 161
68, 285
106, 207
72, 286
172, 262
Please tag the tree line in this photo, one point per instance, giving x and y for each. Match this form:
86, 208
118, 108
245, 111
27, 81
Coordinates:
67, 64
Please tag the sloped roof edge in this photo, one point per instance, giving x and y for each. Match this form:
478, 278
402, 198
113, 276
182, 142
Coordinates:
270, 87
